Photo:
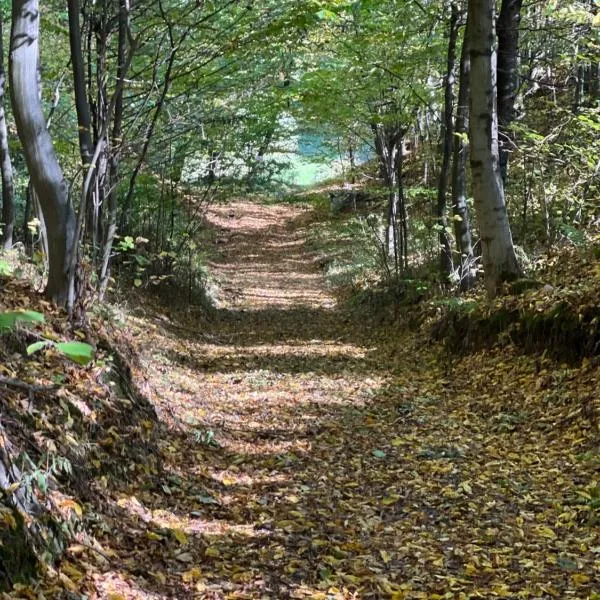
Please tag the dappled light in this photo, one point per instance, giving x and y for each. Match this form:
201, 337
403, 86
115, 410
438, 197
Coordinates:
300, 300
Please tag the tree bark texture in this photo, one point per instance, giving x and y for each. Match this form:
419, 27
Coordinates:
8, 194
508, 61
446, 262
84, 119
460, 210
45, 172
116, 142
499, 260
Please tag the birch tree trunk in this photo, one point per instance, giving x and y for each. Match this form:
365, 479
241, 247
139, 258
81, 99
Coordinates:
499, 260
45, 172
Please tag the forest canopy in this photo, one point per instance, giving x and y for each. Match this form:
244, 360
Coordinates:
138, 99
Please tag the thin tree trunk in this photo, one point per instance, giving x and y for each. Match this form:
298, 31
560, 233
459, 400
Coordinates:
462, 225
8, 194
403, 216
499, 259
42, 164
115, 151
84, 119
380, 151
446, 262
175, 45
508, 56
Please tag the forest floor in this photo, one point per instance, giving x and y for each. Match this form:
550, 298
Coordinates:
308, 452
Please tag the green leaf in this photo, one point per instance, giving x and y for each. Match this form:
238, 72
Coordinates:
326, 15
33, 348
9, 319
78, 352
5, 269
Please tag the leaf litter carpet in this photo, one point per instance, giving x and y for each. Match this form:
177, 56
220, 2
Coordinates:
308, 453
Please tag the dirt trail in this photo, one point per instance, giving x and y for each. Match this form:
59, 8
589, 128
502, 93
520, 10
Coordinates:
344, 469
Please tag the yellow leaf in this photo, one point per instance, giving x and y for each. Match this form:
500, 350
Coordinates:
8, 519
392, 499
71, 571
212, 552
547, 532
67, 583
397, 442
153, 536
191, 575
180, 536
71, 504
579, 578
385, 556
159, 576
114, 596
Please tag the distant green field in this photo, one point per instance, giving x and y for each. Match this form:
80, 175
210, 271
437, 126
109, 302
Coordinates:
305, 172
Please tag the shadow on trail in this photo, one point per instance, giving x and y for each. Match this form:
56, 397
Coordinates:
263, 522
300, 496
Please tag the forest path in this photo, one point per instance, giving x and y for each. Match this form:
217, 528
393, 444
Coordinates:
346, 467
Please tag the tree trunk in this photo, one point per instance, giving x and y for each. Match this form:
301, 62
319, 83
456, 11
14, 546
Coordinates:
115, 150
175, 45
508, 48
499, 260
389, 139
8, 195
446, 262
84, 119
45, 172
462, 225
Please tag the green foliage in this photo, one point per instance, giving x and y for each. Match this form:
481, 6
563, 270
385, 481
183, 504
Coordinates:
9, 320
78, 352
6, 269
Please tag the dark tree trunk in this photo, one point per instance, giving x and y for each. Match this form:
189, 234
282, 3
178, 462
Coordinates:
8, 195
462, 225
389, 140
380, 151
508, 49
115, 150
45, 172
446, 262
84, 119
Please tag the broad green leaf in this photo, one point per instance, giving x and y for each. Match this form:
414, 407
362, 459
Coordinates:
33, 348
9, 319
78, 352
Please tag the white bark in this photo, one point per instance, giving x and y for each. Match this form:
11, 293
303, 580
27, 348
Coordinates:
499, 260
